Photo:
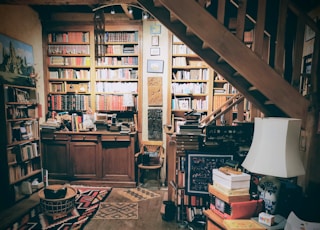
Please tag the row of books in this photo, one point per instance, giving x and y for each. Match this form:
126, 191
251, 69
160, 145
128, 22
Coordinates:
117, 74
117, 87
22, 152
22, 131
21, 95
69, 61
115, 102
68, 49
181, 49
63, 87
21, 111
69, 102
122, 49
189, 88
187, 103
192, 74
71, 37
118, 61
121, 36
18, 171
82, 74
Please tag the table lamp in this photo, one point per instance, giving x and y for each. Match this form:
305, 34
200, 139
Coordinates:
274, 152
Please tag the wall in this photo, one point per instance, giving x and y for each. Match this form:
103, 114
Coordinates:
14, 24
163, 46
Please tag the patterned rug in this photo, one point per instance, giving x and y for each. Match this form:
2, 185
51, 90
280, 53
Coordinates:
138, 194
87, 203
111, 211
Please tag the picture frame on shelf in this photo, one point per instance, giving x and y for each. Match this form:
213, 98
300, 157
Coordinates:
155, 51
199, 167
154, 66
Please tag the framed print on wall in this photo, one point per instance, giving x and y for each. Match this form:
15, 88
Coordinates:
155, 40
155, 29
155, 51
155, 66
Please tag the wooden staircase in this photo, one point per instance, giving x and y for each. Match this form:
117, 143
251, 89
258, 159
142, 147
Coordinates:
260, 72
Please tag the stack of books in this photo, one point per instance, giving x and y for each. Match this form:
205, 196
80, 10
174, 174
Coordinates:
191, 124
229, 195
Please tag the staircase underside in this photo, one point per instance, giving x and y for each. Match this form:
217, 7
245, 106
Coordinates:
230, 57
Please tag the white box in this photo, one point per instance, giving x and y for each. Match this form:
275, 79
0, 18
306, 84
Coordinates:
231, 181
265, 218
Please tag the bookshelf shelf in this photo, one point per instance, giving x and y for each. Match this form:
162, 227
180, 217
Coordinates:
21, 158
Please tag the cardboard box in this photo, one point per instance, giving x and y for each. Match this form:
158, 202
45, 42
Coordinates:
231, 181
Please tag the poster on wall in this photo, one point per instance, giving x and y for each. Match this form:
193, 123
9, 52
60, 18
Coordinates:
155, 91
16, 60
155, 124
199, 170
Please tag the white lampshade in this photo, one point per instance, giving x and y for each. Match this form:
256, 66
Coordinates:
275, 148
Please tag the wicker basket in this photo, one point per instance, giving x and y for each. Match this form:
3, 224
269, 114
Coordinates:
53, 207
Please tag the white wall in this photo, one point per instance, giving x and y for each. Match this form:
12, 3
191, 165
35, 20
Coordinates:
163, 45
22, 23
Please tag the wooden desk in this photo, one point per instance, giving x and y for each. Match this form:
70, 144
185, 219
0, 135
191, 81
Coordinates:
90, 157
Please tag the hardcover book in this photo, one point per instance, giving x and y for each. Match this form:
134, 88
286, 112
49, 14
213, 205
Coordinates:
228, 198
242, 224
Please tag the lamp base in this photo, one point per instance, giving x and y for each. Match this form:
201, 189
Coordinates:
269, 188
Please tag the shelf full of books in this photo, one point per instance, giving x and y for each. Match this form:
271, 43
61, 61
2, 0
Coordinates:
21, 141
191, 83
117, 70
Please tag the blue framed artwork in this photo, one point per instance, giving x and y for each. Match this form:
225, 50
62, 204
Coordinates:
16, 57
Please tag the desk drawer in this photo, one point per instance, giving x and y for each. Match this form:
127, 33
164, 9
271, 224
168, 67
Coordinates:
54, 136
84, 137
115, 138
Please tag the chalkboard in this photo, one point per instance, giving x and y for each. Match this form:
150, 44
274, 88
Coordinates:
199, 167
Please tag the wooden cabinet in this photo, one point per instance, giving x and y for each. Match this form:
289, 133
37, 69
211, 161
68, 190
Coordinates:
56, 157
95, 157
118, 158
84, 157
21, 156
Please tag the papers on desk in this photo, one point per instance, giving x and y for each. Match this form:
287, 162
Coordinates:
295, 223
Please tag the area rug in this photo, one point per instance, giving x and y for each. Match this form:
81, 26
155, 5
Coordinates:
117, 211
87, 203
138, 194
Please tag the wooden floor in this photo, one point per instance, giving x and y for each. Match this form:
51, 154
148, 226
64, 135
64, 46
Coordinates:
148, 212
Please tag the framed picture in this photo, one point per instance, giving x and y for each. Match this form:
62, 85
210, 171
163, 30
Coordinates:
155, 29
155, 51
155, 40
23, 55
199, 167
155, 66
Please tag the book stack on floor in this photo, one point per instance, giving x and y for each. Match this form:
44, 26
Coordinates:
230, 197
191, 125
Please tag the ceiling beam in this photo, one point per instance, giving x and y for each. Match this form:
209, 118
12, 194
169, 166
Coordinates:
67, 2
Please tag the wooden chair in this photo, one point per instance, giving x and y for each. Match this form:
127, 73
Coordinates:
150, 157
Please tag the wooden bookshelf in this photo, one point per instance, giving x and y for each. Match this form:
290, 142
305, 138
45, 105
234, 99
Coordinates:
21, 158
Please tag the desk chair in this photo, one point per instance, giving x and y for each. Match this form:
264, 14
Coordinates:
150, 157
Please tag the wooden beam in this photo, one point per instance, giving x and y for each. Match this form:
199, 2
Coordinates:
279, 51
298, 51
258, 73
68, 2
221, 11
259, 28
241, 19
126, 11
